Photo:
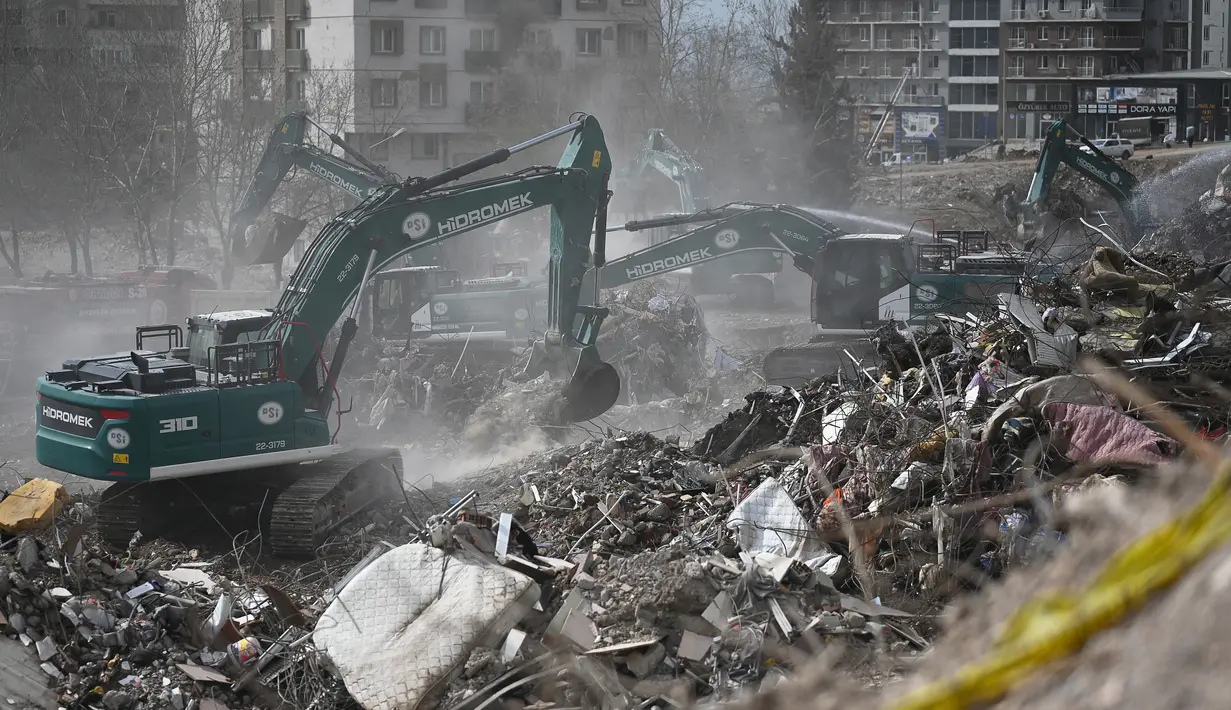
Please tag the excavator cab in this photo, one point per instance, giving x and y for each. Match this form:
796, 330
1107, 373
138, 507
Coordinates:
856, 278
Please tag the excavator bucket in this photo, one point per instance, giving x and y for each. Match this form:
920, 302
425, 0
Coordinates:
593, 388
273, 243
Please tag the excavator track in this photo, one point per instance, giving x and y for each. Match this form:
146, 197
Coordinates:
125, 509
797, 365
295, 507
328, 493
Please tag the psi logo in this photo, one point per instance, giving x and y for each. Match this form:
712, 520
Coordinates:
270, 413
726, 239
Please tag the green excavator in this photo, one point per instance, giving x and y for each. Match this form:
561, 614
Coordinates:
1064, 144
740, 276
859, 281
440, 302
238, 416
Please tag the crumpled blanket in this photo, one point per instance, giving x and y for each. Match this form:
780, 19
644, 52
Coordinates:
1102, 435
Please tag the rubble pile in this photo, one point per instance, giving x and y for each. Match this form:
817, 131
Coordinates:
1201, 230
631, 569
655, 339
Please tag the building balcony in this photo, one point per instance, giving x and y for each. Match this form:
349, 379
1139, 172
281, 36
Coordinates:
1017, 14
1123, 42
1085, 72
910, 16
883, 44
297, 60
479, 112
1015, 43
909, 43
1115, 11
540, 59
478, 60
258, 9
1015, 71
1085, 43
1177, 46
922, 100
532, 8
884, 17
258, 58
482, 7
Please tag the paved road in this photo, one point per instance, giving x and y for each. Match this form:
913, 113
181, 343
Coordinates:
975, 165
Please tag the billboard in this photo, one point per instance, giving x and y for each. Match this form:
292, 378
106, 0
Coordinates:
919, 125
1129, 100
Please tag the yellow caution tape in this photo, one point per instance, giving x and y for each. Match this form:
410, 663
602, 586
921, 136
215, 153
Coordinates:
1057, 624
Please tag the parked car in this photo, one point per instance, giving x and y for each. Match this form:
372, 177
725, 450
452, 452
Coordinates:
1113, 147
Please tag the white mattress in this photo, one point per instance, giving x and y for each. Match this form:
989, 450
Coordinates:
404, 627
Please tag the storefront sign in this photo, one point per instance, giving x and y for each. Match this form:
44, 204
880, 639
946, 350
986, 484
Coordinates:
1129, 109
1038, 106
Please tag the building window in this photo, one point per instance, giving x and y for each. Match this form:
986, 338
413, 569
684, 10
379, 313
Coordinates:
933, 35
483, 40
1205, 7
589, 42
1192, 96
865, 62
865, 7
1205, 58
481, 92
1205, 34
299, 90
425, 146
537, 39
1085, 66
1062, 62
296, 38
632, 41
1041, 34
975, 9
1017, 66
1063, 5
975, 38
865, 34
846, 33
252, 39
384, 93
387, 39
1087, 7
934, 61
431, 40
974, 94
61, 18
432, 94
1064, 33
974, 66
1087, 37
1041, 62
105, 19
1017, 37
974, 125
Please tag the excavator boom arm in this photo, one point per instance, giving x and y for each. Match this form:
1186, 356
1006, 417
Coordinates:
1117, 181
287, 149
663, 155
402, 219
773, 228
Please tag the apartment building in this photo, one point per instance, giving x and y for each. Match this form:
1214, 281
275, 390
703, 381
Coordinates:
1214, 34
433, 69
924, 72
1059, 53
